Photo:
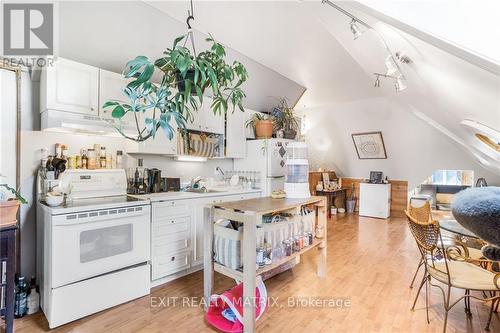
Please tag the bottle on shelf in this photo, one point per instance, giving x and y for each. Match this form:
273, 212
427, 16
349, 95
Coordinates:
119, 159
84, 159
21, 298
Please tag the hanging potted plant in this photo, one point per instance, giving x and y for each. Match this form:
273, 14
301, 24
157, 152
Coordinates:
186, 75
9, 206
262, 124
285, 120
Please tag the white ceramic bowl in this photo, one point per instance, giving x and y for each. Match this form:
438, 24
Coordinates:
341, 210
54, 200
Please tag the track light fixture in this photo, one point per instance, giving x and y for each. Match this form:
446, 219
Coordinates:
355, 29
403, 58
393, 69
399, 83
391, 66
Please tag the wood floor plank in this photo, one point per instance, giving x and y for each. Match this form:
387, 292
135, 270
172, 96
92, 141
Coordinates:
370, 262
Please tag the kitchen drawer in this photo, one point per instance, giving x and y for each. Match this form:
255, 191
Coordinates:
168, 226
169, 208
169, 264
170, 243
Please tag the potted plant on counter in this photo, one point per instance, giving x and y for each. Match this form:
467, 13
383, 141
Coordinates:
262, 124
285, 120
9, 206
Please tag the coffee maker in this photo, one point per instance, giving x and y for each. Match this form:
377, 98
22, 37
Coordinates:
153, 180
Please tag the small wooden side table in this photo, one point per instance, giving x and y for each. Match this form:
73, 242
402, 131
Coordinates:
8, 254
331, 195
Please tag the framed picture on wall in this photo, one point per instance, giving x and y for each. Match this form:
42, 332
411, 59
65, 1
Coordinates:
369, 145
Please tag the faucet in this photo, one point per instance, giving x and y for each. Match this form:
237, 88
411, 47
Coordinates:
219, 170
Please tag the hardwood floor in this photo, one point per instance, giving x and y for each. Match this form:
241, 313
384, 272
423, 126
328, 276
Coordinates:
370, 263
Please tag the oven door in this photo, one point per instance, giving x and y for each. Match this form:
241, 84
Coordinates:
89, 244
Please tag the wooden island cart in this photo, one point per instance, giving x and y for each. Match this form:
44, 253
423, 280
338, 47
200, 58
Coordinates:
250, 213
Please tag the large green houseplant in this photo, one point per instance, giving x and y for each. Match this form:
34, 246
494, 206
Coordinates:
185, 76
284, 119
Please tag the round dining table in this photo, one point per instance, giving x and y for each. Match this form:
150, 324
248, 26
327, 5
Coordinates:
451, 225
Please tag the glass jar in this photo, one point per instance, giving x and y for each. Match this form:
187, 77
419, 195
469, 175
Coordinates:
91, 159
311, 237
296, 244
260, 257
306, 239
287, 245
119, 159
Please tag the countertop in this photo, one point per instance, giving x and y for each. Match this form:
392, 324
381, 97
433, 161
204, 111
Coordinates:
162, 196
267, 205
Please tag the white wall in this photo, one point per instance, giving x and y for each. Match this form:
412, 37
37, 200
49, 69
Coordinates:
414, 149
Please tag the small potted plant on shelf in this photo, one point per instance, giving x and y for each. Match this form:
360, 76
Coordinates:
285, 120
262, 124
9, 206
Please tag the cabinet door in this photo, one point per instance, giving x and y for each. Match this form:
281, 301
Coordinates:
111, 86
210, 122
70, 86
236, 144
160, 144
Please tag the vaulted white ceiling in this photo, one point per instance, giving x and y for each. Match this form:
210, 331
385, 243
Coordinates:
311, 43
287, 37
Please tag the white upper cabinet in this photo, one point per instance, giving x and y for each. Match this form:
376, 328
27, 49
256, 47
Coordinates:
205, 120
159, 145
111, 86
235, 134
70, 86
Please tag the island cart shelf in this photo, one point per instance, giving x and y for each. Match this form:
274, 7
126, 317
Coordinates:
250, 212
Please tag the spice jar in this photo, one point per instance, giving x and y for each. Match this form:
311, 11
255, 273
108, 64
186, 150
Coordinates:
71, 162
109, 161
91, 160
119, 159
296, 244
311, 237
306, 239
287, 247
260, 258
78, 162
85, 159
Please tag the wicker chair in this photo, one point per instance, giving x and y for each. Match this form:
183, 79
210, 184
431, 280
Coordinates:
422, 213
449, 265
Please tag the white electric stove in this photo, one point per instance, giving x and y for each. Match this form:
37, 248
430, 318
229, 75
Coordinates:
94, 251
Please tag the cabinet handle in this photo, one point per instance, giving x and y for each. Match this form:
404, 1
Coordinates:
91, 109
172, 259
172, 221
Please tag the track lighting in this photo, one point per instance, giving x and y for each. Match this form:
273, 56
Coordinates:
391, 61
391, 66
400, 84
403, 58
355, 29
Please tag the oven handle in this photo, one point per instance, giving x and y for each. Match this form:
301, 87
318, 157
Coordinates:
100, 219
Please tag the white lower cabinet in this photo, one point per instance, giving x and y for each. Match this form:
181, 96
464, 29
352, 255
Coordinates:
171, 223
177, 233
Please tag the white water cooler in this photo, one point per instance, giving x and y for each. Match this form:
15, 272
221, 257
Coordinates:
297, 171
